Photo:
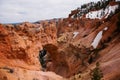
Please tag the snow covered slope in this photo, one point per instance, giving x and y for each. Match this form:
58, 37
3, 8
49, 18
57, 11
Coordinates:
102, 13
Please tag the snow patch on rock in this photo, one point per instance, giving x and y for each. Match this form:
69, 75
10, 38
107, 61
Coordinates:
117, 0
97, 39
102, 13
94, 14
69, 25
106, 28
75, 34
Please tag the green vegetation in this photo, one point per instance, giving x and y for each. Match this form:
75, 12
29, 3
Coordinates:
102, 4
85, 8
96, 73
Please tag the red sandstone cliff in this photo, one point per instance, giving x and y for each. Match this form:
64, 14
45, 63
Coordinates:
19, 49
70, 42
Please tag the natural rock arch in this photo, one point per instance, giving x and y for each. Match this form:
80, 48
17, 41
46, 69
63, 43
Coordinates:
58, 61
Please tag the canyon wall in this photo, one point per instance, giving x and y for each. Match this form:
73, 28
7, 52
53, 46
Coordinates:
70, 43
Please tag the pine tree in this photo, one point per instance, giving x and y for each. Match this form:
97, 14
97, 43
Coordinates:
96, 73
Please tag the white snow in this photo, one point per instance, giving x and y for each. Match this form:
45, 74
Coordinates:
101, 13
75, 34
106, 28
97, 39
94, 14
69, 25
111, 9
117, 0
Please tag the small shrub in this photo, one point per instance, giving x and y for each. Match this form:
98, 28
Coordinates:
96, 73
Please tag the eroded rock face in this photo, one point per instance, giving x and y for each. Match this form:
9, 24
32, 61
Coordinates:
69, 45
26, 39
19, 48
73, 53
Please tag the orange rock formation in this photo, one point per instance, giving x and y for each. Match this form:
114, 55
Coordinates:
69, 44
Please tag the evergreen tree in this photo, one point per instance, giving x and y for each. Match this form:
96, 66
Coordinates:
96, 73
